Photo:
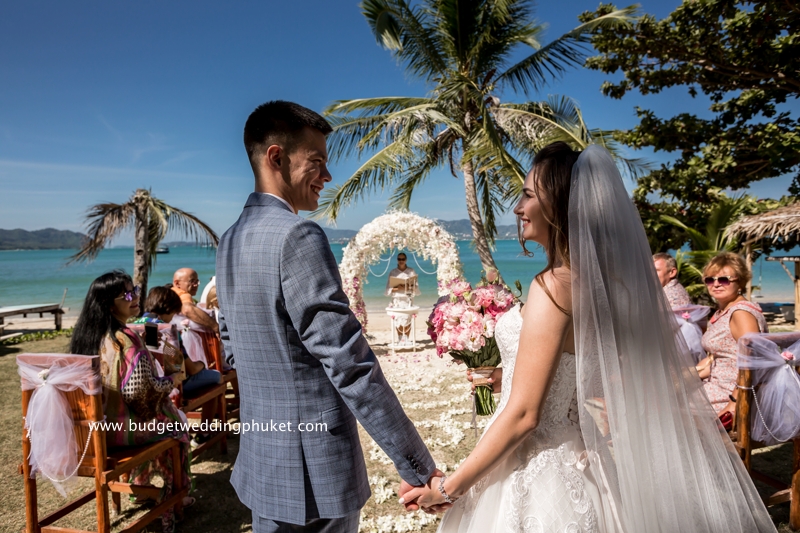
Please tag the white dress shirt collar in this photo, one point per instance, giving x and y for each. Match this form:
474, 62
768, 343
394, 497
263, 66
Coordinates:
282, 200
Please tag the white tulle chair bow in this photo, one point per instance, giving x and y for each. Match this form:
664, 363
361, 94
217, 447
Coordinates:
688, 318
49, 422
777, 416
192, 341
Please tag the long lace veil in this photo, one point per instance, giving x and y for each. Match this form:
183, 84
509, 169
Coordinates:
664, 462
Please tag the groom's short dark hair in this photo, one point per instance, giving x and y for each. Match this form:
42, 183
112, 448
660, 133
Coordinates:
279, 122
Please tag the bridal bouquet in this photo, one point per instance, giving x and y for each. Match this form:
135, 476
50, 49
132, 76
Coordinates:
462, 324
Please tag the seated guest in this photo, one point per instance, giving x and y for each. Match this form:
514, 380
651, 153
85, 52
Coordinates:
667, 270
185, 283
210, 285
132, 392
161, 306
725, 276
211, 302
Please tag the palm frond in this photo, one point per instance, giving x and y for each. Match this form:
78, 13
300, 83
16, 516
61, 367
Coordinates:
633, 168
533, 125
698, 238
414, 177
351, 136
375, 106
402, 29
105, 221
504, 25
488, 149
377, 173
163, 217
569, 50
185, 223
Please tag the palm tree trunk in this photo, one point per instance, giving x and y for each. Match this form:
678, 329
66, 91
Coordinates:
475, 220
141, 251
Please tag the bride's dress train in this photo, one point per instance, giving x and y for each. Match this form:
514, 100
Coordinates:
545, 485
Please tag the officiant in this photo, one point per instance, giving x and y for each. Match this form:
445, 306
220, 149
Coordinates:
402, 286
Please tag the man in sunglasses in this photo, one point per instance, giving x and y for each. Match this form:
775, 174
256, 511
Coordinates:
667, 270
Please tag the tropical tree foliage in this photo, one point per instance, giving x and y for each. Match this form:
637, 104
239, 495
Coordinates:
150, 219
712, 238
463, 49
742, 55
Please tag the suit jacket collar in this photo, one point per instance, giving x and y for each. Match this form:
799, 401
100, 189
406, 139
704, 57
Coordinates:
266, 200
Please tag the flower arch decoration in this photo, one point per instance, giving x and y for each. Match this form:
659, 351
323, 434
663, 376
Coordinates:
396, 229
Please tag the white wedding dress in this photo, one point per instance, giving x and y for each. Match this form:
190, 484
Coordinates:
544, 485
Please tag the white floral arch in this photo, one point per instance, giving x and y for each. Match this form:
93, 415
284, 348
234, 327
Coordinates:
396, 229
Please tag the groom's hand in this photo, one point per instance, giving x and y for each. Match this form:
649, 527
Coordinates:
411, 505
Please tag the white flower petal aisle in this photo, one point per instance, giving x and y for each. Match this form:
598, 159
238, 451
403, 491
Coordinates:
435, 395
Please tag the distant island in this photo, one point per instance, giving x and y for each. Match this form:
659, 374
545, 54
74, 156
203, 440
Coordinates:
42, 239
54, 239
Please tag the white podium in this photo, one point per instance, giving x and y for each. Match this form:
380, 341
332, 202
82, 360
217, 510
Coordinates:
410, 312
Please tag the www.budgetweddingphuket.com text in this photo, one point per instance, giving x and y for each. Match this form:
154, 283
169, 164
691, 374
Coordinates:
216, 425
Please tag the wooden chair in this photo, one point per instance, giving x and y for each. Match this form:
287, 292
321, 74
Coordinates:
107, 468
207, 400
215, 356
745, 445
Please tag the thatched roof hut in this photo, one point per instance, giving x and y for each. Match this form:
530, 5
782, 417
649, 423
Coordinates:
783, 224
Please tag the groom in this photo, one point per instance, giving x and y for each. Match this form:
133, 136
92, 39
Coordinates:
305, 370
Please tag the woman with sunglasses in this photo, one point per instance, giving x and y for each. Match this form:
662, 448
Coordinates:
133, 395
725, 276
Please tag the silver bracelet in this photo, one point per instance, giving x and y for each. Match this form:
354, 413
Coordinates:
447, 498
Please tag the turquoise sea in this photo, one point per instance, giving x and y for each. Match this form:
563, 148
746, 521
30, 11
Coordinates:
40, 276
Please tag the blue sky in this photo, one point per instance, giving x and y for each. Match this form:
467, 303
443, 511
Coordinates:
100, 98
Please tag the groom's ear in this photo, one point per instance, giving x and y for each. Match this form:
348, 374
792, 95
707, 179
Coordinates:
273, 157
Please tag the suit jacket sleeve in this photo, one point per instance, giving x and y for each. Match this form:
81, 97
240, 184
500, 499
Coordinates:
320, 313
225, 337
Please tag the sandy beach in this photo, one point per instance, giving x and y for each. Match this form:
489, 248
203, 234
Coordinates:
378, 326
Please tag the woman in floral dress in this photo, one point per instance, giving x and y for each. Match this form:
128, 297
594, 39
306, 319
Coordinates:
725, 276
132, 392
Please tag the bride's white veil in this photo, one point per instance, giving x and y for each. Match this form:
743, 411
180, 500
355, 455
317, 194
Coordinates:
664, 461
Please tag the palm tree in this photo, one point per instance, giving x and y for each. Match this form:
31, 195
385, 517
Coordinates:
151, 218
463, 49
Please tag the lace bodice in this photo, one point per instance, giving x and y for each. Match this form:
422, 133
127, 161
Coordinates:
559, 409
540, 487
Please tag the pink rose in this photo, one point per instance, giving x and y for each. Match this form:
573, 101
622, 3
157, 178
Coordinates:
686, 316
787, 355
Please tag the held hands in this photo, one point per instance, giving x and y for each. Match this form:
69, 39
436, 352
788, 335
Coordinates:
426, 496
495, 379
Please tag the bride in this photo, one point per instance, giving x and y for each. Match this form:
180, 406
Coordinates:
602, 424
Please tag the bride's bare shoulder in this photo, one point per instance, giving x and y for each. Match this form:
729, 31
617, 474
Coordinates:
554, 285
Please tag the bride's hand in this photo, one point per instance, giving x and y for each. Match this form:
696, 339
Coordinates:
426, 497
496, 379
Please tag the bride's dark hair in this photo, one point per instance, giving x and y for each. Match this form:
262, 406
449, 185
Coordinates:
96, 320
552, 170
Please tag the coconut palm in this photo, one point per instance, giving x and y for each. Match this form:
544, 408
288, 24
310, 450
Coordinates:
151, 219
463, 49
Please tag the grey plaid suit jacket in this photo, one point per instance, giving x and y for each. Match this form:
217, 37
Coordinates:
301, 358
